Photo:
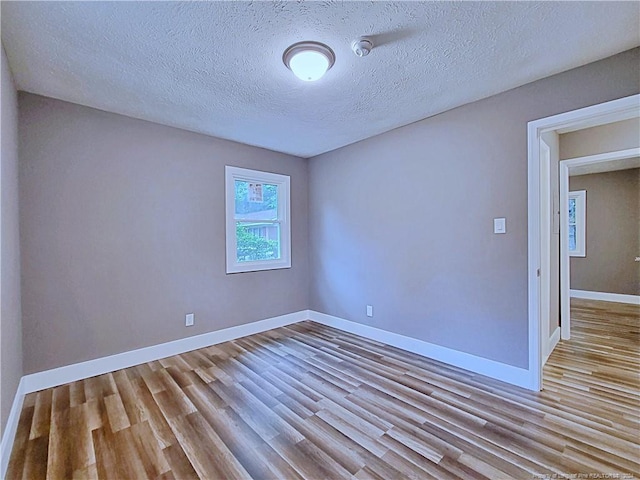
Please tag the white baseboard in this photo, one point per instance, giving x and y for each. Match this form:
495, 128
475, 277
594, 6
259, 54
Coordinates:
490, 368
10, 429
71, 373
551, 344
606, 297
78, 371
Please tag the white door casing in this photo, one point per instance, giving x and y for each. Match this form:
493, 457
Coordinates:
601, 114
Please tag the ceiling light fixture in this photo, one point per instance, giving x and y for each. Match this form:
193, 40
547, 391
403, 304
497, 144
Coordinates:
309, 61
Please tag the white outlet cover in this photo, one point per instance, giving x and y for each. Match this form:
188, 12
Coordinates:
499, 225
189, 319
369, 310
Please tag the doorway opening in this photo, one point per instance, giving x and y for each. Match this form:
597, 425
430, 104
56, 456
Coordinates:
590, 164
543, 134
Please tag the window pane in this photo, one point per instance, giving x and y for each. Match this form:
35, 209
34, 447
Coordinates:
257, 241
572, 210
257, 201
572, 238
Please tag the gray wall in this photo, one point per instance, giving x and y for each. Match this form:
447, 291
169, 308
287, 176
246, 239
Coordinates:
10, 316
613, 233
403, 221
123, 226
123, 233
605, 138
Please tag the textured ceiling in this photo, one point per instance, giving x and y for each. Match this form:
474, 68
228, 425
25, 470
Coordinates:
216, 67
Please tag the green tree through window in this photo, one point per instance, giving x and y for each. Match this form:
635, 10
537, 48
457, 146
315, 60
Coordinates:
254, 247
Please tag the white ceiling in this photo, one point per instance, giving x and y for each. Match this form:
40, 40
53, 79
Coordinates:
216, 67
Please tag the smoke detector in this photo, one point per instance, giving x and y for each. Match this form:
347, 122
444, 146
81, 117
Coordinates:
362, 47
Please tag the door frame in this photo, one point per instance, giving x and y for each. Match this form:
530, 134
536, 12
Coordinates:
608, 162
545, 243
601, 114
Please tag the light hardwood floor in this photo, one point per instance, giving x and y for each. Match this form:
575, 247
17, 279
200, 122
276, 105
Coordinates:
308, 401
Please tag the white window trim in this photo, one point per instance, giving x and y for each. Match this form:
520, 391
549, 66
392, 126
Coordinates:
284, 218
581, 221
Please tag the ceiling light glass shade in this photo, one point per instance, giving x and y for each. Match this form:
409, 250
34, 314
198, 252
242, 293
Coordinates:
309, 61
309, 66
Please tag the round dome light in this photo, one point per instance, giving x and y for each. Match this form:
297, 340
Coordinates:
309, 61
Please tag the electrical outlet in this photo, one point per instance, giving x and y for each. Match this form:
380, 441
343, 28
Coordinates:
369, 310
189, 319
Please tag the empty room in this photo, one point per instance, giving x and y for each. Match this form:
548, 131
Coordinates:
320, 240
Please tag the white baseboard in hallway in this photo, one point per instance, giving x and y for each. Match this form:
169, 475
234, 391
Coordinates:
605, 297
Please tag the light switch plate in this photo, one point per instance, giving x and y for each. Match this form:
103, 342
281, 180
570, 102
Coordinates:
499, 225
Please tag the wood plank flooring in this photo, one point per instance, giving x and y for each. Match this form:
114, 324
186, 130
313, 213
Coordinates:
308, 401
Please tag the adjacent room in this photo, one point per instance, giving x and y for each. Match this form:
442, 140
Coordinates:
320, 240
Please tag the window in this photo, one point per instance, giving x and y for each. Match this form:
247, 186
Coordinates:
258, 220
577, 223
